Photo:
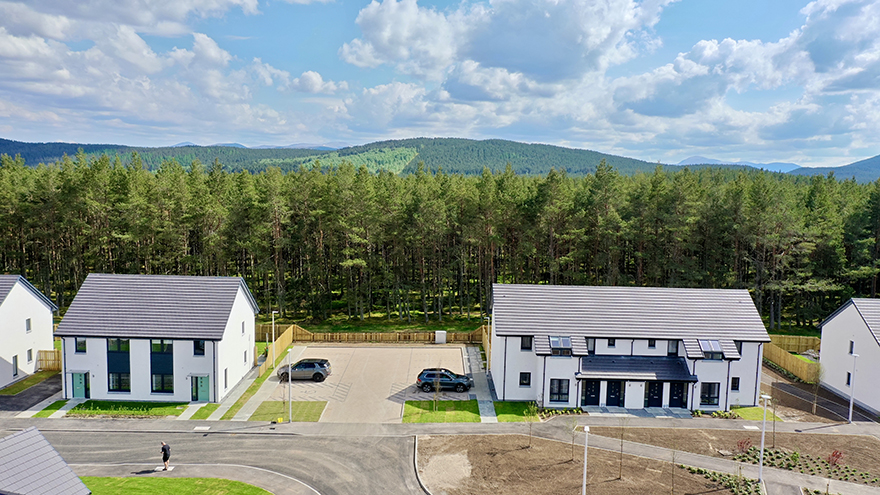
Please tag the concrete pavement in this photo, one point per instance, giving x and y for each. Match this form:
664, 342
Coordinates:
266, 389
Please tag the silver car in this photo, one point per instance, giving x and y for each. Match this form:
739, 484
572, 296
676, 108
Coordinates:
305, 369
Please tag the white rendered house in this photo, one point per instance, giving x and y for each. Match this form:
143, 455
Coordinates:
854, 329
25, 327
157, 338
632, 347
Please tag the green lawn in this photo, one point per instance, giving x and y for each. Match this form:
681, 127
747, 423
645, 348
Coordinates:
803, 358
512, 412
177, 486
27, 382
755, 413
253, 388
205, 411
51, 408
261, 347
120, 408
303, 411
448, 411
57, 344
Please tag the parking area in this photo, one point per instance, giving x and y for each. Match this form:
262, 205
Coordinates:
370, 384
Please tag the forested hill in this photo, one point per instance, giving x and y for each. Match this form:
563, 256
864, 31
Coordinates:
457, 156
867, 170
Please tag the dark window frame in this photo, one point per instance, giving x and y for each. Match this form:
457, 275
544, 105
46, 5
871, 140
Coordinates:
848, 378
27, 326
652, 343
525, 379
557, 394
852, 346
526, 339
115, 345
162, 346
84, 347
560, 346
734, 384
198, 349
166, 383
710, 394
672, 348
123, 379
612, 343
591, 346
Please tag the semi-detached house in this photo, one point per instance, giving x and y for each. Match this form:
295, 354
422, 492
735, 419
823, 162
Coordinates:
157, 338
632, 347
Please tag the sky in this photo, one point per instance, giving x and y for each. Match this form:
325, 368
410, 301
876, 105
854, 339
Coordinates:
659, 80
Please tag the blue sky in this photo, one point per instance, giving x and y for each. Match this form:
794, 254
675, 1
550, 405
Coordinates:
660, 80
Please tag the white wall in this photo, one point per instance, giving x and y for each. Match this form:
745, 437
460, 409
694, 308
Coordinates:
505, 372
836, 360
19, 305
748, 370
94, 360
230, 351
563, 367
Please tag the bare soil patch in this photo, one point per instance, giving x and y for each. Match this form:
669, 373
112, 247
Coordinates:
504, 464
859, 452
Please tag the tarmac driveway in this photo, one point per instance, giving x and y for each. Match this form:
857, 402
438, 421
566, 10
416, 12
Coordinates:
10, 405
370, 384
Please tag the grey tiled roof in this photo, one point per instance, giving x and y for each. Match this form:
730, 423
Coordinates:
728, 347
692, 349
7, 282
638, 368
626, 312
31, 466
869, 309
153, 306
578, 345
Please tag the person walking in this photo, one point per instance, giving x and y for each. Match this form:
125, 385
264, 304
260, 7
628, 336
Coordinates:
166, 454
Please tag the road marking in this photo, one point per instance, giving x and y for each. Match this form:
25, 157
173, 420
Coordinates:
750, 427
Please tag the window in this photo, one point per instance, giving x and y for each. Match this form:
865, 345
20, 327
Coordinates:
734, 384
709, 394
848, 378
652, 344
612, 342
198, 347
525, 343
163, 383
80, 345
711, 350
162, 346
672, 348
560, 346
851, 346
119, 382
117, 345
15, 367
525, 379
591, 346
225, 378
245, 357
30, 355
27, 326
242, 328
558, 390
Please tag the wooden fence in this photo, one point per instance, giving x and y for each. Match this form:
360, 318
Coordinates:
796, 343
283, 340
49, 360
806, 371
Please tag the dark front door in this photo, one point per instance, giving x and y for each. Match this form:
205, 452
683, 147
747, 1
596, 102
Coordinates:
590, 393
677, 395
614, 395
654, 395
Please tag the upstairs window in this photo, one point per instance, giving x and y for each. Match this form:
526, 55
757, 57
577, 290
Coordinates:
851, 347
672, 348
711, 350
80, 345
198, 347
612, 342
591, 346
652, 344
27, 326
162, 346
560, 346
525, 343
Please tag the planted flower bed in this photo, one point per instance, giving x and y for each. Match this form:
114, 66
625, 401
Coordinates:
831, 466
736, 484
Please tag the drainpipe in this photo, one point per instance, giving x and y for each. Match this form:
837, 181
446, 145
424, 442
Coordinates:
216, 372
727, 392
64, 389
504, 372
758, 372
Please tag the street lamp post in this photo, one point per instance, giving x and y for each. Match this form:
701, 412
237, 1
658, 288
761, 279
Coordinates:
852, 387
289, 398
273, 338
586, 436
765, 398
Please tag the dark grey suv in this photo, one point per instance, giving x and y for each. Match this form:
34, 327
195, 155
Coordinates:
306, 369
443, 378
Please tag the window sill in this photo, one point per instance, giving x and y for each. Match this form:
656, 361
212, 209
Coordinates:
119, 392
524, 386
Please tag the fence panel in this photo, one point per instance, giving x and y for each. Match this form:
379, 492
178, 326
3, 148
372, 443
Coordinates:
796, 343
49, 360
796, 366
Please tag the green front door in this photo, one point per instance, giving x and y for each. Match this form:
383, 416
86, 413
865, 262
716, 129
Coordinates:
200, 389
80, 385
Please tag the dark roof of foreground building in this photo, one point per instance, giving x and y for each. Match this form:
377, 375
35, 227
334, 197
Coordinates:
636, 368
7, 282
626, 312
153, 306
31, 466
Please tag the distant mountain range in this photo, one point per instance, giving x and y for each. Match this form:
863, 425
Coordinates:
452, 155
773, 167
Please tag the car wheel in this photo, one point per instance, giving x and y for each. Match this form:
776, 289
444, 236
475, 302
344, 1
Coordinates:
318, 377
427, 387
283, 377
460, 388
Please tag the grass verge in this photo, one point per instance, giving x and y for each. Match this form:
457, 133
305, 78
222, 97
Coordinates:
130, 409
205, 411
187, 486
513, 412
447, 411
302, 411
28, 382
253, 388
755, 413
51, 408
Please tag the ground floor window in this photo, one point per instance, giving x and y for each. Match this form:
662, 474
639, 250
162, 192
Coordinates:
734, 384
119, 382
163, 384
30, 355
709, 393
525, 379
558, 390
15, 367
